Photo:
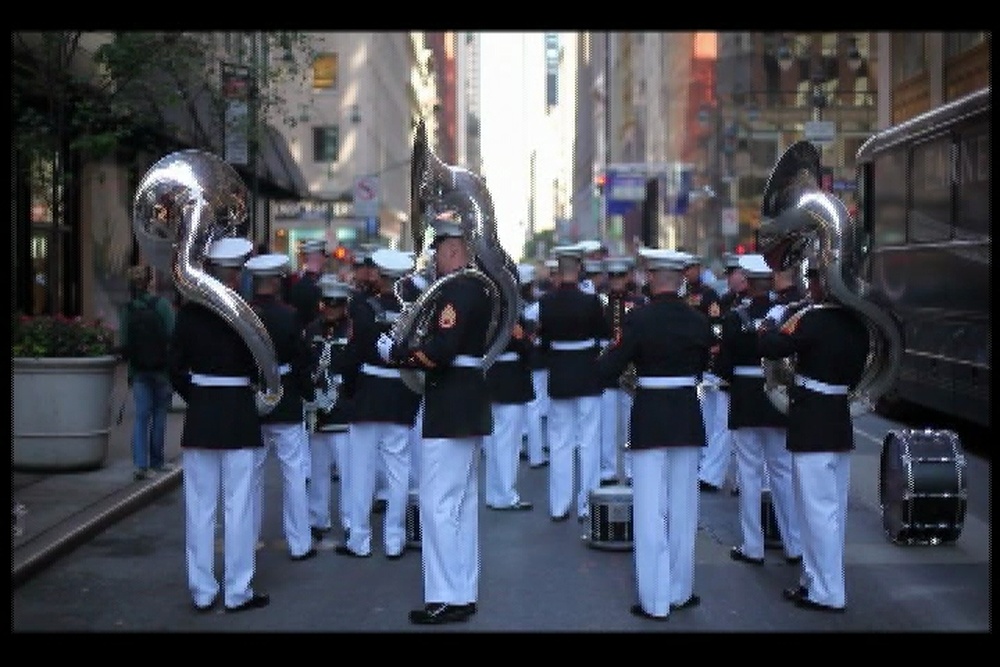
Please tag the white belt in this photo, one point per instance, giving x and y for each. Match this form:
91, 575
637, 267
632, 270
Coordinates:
284, 369
570, 345
219, 380
466, 361
821, 387
508, 356
603, 341
379, 371
666, 382
749, 371
710, 380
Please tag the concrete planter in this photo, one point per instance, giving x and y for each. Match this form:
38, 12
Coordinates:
61, 413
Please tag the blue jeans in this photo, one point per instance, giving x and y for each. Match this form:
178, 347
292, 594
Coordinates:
152, 393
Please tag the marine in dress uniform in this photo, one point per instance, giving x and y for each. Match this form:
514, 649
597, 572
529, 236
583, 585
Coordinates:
283, 428
570, 324
718, 459
457, 416
534, 443
669, 342
831, 346
509, 383
212, 369
384, 412
758, 427
304, 293
615, 401
328, 335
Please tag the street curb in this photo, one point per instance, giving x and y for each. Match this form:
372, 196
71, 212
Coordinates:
47, 547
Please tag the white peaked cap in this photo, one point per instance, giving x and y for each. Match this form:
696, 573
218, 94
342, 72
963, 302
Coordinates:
273, 264
590, 245
393, 263
657, 259
331, 288
618, 265
229, 251
755, 266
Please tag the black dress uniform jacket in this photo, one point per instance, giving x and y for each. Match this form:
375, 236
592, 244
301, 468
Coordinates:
456, 398
748, 403
376, 398
707, 301
318, 333
509, 381
291, 349
617, 305
664, 338
216, 417
830, 344
567, 314
304, 296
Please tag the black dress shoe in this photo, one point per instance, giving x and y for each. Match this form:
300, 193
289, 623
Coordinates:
256, 602
737, 554
709, 488
692, 601
440, 612
793, 560
806, 603
471, 608
637, 610
609, 482
204, 609
561, 517
795, 594
344, 550
306, 556
536, 466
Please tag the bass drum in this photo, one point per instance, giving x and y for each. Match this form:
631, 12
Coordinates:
922, 486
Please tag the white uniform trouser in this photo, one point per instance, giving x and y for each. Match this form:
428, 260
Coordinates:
503, 454
574, 426
328, 448
375, 445
290, 444
821, 481
206, 472
537, 408
665, 523
612, 406
415, 438
449, 519
758, 447
717, 455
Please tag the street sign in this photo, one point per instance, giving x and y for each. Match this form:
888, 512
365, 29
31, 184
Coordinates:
821, 132
730, 221
366, 196
624, 191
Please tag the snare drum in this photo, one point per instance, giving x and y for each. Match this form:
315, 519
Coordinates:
611, 518
413, 520
922, 486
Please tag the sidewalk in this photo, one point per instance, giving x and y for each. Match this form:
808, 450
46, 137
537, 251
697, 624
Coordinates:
66, 509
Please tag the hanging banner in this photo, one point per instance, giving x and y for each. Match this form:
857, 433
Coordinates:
236, 127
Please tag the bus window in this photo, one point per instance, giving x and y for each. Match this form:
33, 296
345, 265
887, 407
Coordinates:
973, 210
930, 213
889, 199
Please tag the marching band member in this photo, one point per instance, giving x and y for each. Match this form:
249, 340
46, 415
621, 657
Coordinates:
303, 293
384, 412
284, 427
570, 323
669, 342
450, 357
614, 399
534, 441
211, 368
328, 335
830, 346
758, 427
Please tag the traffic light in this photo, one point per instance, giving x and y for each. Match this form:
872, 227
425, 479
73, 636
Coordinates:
341, 254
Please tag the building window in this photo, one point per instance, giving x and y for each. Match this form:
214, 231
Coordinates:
325, 71
956, 43
326, 143
912, 52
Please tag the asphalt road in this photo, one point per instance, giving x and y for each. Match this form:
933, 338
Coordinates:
537, 576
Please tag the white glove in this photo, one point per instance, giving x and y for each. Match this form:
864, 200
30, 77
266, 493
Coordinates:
777, 313
384, 346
